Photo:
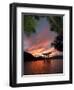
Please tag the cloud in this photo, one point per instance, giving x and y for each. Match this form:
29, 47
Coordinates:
40, 41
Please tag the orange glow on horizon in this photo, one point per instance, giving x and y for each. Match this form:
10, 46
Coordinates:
37, 51
41, 50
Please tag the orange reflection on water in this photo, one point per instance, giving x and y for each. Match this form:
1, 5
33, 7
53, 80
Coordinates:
43, 67
37, 66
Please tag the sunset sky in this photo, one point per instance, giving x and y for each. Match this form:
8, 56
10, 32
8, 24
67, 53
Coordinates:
39, 42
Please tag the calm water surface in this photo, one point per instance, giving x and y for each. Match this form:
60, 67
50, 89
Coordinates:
43, 67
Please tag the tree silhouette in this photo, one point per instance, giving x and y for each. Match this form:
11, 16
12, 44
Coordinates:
56, 23
58, 42
29, 24
57, 26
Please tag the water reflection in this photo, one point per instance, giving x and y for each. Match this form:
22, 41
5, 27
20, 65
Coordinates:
43, 67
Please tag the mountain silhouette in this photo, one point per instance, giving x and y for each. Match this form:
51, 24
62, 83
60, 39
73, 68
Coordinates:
28, 56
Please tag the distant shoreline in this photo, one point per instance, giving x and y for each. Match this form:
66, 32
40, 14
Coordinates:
42, 58
54, 57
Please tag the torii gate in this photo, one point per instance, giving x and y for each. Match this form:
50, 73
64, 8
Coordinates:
47, 54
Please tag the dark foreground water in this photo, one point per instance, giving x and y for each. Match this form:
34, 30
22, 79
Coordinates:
43, 67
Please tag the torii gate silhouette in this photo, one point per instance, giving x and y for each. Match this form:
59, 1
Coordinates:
47, 54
